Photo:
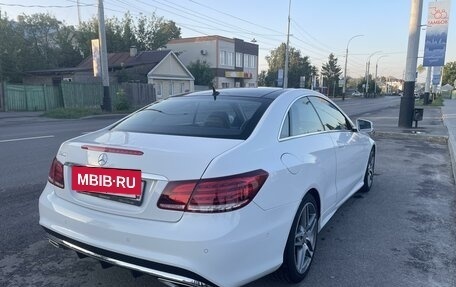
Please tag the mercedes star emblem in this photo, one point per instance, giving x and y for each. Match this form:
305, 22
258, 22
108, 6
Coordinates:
102, 159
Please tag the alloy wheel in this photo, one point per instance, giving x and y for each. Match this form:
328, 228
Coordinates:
305, 237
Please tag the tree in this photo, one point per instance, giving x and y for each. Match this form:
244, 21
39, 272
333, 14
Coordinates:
12, 50
202, 72
87, 31
262, 79
362, 85
449, 73
298, 66
40, 31
67, 52
149, 33
40, 41
154, 32
331, 71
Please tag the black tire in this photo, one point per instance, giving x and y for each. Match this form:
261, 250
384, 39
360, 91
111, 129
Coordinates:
369, 175
301, 243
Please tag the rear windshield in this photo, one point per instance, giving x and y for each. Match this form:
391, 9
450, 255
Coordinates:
199, 116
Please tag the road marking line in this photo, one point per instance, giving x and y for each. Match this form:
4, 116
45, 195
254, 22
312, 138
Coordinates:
26, 139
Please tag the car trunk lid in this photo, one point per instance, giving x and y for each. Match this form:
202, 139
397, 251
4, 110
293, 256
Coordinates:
159, 158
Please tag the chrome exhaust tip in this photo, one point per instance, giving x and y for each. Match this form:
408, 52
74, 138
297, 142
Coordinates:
54, 243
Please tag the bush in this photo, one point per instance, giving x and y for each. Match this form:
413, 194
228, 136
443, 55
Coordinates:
122, 101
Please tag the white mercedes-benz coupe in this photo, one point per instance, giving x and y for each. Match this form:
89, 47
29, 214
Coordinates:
214, 188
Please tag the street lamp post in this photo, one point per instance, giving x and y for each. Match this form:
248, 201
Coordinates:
367, 70
287, 48
376, 70
345, 68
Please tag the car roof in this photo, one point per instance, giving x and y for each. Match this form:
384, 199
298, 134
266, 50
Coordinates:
265, 92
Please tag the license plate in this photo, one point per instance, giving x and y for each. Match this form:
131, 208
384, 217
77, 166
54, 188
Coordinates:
120, 182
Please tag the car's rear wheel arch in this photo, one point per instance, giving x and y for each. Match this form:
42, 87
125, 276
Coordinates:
316, 196
302, 239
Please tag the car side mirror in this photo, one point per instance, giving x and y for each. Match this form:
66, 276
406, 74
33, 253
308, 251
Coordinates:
364, 126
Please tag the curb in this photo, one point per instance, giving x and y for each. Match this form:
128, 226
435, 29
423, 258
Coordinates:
452, 149
395, 135
19, 116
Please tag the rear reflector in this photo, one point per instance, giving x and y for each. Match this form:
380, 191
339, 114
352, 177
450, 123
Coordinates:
213, 195
112, 150
56, 174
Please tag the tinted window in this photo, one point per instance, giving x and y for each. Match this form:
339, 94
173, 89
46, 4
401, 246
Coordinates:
301, 119
201, 116
331, 117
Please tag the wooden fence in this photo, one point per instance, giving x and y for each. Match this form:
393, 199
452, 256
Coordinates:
71, 95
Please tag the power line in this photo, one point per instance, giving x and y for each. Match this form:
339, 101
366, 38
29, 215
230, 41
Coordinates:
329, 49
43, 6
235, 17
141, 13
198, 14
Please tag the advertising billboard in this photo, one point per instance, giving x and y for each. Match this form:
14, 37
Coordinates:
436, 75
96, 57
436, 34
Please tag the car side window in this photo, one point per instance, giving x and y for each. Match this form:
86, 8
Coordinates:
331, 117
301, 119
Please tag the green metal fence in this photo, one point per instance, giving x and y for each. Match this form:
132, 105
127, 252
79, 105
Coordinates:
72, 95
32, 97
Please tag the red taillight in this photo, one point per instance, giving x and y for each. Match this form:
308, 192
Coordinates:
213, 195
176, 195
56, 174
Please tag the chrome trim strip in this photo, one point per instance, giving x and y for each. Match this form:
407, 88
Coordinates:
162, 276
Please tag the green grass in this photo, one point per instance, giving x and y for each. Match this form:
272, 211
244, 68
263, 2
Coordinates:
72, 113
437, 102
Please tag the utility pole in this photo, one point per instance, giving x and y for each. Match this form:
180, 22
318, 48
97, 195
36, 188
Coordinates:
79, 13
345, 68
287, 48
376, 70
427, 86
368, 70
106, 106
408, 99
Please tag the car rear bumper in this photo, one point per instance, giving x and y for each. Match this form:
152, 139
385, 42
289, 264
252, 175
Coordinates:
225, 249
163, 272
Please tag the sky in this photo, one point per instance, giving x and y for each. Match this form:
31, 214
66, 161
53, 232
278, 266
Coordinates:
318, 27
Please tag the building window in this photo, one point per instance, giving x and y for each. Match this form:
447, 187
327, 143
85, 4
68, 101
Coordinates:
171, 88
239, 60
222, 57
226, 58
251, 85
252, 61
225, 85
230, 59
249, 61
158, 90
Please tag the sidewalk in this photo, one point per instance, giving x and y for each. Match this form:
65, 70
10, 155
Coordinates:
431, 127
438, 125
10, 115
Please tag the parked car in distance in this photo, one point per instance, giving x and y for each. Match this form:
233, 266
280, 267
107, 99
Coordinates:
356, 94
193, 186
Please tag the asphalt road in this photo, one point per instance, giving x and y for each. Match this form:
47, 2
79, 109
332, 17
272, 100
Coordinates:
402, 233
